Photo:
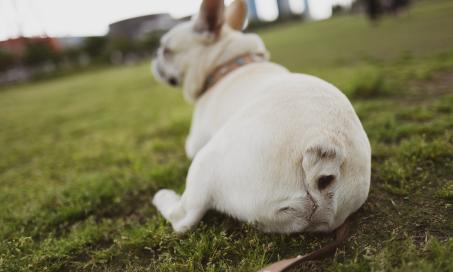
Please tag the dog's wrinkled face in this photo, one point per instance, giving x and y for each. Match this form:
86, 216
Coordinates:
185, 46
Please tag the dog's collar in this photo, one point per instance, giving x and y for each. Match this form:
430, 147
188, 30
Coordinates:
229, 67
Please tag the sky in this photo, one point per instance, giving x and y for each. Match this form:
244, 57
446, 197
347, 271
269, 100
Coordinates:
92, 17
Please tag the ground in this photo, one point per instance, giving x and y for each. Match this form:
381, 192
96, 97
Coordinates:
82, 155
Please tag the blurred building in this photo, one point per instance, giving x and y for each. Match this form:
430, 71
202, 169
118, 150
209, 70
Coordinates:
18, 46
306, 8
253, 12
139, 27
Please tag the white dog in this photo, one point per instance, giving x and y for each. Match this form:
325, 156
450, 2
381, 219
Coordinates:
284, 151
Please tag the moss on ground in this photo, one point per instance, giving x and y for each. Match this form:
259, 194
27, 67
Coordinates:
81, 157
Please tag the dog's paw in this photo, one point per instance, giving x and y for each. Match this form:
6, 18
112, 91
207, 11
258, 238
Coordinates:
181, 227
165, 200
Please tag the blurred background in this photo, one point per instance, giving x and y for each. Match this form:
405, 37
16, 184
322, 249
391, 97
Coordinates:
87, 136
50, 36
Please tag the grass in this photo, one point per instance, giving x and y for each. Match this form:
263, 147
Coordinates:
81, 157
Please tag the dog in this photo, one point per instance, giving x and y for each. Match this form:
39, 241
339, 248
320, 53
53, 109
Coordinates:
285, 152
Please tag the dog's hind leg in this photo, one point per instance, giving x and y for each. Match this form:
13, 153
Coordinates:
194, 143
182, 212
185, 211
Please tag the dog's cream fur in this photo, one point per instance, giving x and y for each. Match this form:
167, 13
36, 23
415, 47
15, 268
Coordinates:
284, 151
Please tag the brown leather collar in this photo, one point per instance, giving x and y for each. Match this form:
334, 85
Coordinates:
229, 67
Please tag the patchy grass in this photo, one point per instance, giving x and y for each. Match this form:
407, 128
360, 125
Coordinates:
81, 157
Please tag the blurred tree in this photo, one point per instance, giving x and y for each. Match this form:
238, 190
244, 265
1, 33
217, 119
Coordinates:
398, 5
376, 8
37, 53
123, 45
151, 41
7, 60
373, 9
96, 47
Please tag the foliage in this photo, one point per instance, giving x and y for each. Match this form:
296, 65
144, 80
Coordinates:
95, 47
6, 60
151, 41
37, 53
124, 45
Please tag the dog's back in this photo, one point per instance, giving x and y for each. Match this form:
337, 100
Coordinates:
292, 129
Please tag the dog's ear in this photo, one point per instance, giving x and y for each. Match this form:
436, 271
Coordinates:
211, 18
236, 14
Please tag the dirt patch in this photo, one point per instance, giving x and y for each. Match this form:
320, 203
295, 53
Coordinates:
440, 83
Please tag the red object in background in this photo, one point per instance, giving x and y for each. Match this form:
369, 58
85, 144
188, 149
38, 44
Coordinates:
18, 46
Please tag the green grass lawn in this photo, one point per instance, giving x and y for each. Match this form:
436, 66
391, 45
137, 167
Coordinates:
81, 156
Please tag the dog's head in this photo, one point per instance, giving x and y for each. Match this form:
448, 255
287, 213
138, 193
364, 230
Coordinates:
191, 50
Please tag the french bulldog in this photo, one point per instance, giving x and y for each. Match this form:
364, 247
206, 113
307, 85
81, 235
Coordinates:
285, 152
